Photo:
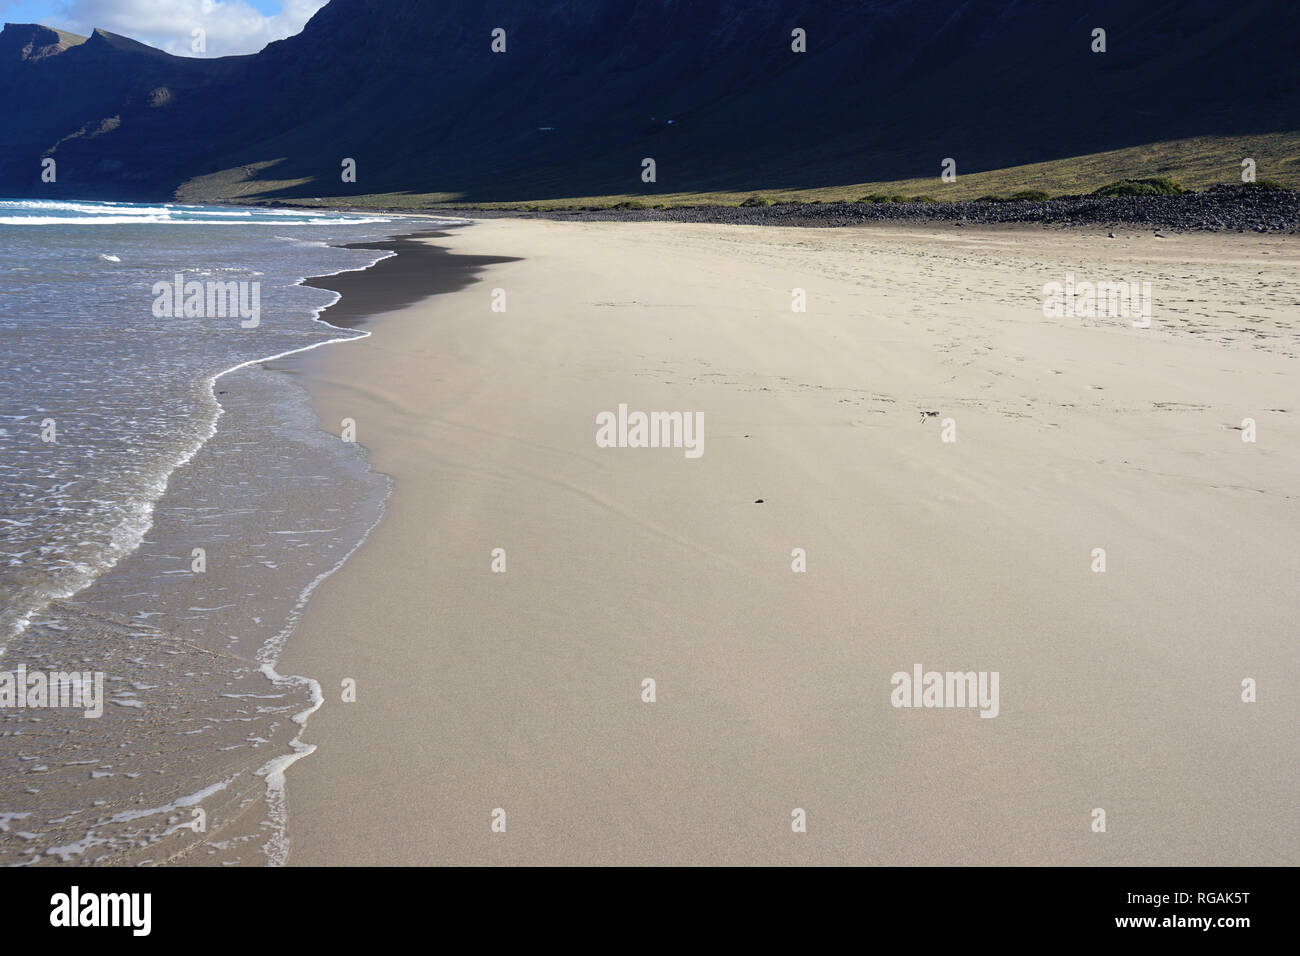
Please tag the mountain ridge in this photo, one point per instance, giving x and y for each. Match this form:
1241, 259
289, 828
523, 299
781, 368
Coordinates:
587, 88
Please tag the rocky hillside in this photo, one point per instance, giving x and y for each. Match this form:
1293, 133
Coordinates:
587, 88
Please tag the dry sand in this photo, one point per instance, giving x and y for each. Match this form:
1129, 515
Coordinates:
1118, 690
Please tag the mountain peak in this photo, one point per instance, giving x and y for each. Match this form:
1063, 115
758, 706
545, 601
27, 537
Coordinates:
33, 41
103, 39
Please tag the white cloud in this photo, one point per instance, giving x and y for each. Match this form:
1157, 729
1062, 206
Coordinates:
230, 27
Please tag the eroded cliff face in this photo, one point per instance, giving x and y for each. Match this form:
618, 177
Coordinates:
30, 41
587, 88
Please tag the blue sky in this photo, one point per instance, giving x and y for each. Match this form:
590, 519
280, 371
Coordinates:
229, 26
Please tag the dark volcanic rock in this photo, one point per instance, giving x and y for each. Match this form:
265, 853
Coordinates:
1222, 207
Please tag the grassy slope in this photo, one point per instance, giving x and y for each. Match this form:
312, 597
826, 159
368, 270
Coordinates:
1196, 163
70, 39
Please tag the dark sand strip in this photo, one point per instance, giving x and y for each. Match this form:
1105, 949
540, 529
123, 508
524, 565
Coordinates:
420, 269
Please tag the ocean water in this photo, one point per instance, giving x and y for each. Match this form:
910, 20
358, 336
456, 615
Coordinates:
166, 507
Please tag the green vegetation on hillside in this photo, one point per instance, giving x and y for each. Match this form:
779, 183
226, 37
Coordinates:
1024, 195
896, 197
1157, 186
1191, 164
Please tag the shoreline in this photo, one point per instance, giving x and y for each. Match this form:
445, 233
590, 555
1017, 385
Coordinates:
1224, 208
520, 690
226, 659
397, 285
411, 271
415, 270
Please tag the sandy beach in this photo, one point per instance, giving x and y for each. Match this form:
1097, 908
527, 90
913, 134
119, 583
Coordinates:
1119, 690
